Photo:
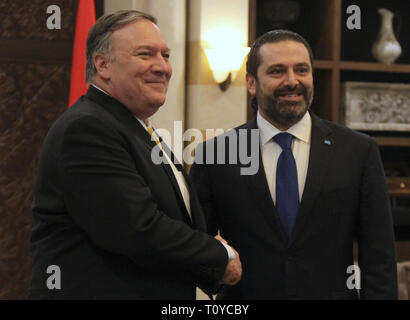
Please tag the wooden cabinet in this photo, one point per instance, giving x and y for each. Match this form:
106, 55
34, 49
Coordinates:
399, 186
343, 55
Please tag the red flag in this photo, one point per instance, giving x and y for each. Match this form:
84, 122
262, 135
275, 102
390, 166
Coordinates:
85, 20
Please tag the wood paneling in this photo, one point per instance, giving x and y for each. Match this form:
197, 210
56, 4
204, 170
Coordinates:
35, 68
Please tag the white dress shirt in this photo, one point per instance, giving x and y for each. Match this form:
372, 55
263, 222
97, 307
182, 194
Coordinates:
271, 150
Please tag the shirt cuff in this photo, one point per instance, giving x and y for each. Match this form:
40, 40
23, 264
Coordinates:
231, 253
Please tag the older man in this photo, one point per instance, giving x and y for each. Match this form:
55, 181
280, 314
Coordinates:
108, 222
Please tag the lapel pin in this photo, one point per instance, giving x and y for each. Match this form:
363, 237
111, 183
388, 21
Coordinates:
327, 142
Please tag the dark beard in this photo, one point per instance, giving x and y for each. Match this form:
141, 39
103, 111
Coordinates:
284, 113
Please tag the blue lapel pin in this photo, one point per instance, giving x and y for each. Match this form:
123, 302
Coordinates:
327, 142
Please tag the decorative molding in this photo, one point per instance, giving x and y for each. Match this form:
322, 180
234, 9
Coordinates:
376, 106
34, 82
32, 96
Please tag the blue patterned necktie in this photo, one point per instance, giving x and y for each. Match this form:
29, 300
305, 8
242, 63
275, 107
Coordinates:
287, 191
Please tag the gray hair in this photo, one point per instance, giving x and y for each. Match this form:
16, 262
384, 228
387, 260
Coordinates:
99, 36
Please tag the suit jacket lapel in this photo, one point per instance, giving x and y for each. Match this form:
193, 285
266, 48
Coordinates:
259, 188
197, 219
129, 121
322, 144
167, 167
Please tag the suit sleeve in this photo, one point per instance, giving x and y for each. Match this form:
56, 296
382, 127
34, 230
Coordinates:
377, 253
112, 203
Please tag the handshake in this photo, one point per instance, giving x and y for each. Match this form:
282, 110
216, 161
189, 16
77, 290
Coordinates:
233, 270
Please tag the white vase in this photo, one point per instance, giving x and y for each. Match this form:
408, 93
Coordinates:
386, 49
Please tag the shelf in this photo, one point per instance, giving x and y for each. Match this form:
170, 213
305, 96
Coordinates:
393, 141
374, 66
363, 66
398, 187
323, 64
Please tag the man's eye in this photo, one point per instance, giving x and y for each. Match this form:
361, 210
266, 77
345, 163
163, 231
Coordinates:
276, 71
166, 55
144, 53
302, 70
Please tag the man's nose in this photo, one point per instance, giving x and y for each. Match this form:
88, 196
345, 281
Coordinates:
290, 79
161, 65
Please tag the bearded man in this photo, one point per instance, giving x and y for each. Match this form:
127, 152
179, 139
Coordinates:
320, 186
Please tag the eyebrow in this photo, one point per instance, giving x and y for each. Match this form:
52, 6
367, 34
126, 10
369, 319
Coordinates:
280, 65
303, 64
151, 48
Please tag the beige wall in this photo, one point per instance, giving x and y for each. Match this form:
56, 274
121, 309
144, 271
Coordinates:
114, 5
199, 103
207, 105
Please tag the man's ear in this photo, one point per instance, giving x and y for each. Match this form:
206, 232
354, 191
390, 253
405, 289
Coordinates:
101, 63
251, 84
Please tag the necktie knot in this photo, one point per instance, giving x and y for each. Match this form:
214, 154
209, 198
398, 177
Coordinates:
284, 139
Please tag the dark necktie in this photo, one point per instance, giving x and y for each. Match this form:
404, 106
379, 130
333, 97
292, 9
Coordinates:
287, 192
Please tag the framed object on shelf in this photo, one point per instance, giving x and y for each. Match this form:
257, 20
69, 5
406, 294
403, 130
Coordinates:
376, 106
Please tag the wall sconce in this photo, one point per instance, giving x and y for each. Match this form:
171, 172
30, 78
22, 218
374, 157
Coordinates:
225, 55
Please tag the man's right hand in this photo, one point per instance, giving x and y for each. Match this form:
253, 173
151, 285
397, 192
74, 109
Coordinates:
233, 271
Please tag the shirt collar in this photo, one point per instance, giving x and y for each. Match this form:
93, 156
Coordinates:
301, 130
145, 124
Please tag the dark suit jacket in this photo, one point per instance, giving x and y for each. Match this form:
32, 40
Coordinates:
110, 219
345, 197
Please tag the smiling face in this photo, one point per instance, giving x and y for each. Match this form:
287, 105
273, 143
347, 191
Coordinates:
138, 72
284, 83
